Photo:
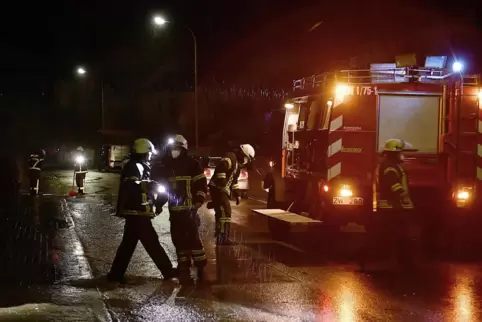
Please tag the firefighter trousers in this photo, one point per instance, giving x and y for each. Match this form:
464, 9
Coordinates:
390, 231
222, 212
80, 180
185, 237
136, 229
34, 180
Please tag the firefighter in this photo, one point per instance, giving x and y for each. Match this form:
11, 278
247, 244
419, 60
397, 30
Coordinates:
35, 162
138, 205
223, 186
274, 184
80, 169
393, 220
187, 187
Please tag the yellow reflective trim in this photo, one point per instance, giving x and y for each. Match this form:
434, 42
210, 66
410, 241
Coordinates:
174, 208
199, 258
235, 186
387, 170
397, 186
225, 219
133, 178
199, 251
185, 178
200, 176
144, 196
228, 160
220, 175
188, 193
200, 193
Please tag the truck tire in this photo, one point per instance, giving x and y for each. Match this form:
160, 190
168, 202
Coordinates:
279, 230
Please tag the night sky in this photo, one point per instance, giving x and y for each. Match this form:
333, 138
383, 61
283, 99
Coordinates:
264, 40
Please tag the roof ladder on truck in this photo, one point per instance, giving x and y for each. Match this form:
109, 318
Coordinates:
468, 136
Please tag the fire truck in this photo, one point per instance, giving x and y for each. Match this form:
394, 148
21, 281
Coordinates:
336, 124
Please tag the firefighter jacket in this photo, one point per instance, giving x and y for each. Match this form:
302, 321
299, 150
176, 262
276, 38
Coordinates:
186, 183
137, 193
392, 186
225, 177
35, 161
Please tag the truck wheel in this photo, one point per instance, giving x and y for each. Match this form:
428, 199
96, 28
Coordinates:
279, 230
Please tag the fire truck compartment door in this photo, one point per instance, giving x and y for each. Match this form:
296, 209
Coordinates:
413, 118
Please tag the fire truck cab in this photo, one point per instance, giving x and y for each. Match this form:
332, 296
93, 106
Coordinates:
336, 124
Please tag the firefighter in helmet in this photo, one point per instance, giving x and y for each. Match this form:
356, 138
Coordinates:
80, 168
223, 185
138, 203
35, 162
187, 187
394, 205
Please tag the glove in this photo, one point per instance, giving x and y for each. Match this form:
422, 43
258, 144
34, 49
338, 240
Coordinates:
210, 205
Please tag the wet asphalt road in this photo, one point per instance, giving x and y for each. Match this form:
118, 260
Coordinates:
257, 280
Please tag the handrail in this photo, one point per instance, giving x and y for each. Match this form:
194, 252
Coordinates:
382, 75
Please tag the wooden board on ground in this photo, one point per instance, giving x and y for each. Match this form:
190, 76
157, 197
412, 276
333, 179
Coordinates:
286, 216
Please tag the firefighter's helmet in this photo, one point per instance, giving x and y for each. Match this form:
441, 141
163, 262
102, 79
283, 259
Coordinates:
248, 150
143, 146
180, 141
396, 145
80, 149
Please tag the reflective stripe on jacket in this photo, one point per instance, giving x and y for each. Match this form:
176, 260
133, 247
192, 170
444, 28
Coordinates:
186, 182
392, 187
137, 191
225, 177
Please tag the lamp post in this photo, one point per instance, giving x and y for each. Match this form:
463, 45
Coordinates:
81, 72
159, 21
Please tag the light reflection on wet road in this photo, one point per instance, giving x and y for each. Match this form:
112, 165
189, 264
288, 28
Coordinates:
258, 280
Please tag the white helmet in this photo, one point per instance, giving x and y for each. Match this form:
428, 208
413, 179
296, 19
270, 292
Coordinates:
179, 141
248, 150
80, 149
143, 146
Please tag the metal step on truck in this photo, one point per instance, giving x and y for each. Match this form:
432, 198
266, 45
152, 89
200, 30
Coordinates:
337, 122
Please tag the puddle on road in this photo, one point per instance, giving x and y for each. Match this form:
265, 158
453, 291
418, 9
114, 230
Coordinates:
285, 255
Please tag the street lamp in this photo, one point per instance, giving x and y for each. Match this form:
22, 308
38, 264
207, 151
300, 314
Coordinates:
159, 21
81, 72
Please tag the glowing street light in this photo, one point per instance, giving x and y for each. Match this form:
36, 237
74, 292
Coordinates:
81, 71
159, 20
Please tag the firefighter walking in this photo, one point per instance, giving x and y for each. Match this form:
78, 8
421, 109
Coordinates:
138, 205
35, 162
187, 187
223, 185
394, 217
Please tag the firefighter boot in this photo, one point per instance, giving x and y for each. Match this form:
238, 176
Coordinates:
200, 274
185, 275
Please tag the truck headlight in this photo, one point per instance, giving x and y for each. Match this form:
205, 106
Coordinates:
79, 159
346, 192
463, 195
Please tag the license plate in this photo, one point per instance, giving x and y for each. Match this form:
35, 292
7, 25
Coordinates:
348, 201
